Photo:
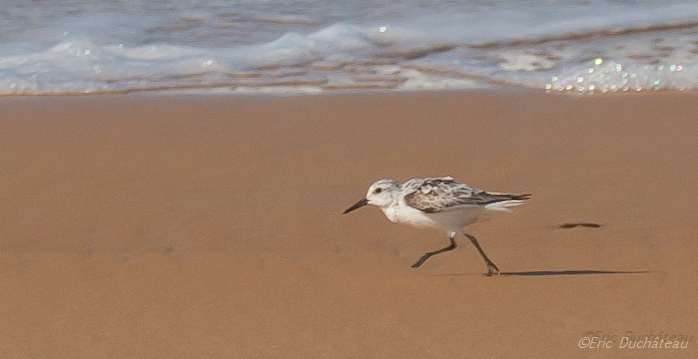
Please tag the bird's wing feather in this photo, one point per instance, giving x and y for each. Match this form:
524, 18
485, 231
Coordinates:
431, 195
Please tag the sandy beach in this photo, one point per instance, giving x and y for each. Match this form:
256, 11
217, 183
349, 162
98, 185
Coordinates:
151, 226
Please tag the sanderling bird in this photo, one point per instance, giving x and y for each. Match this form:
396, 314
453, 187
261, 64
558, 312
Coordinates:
439, 203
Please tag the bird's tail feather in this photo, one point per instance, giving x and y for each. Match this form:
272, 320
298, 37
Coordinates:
509, 200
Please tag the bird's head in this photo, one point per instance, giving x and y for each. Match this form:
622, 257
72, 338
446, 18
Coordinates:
382, 194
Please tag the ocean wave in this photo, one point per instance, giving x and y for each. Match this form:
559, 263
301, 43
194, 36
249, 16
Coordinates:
570, 48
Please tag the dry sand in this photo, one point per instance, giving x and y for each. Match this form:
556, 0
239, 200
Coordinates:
140, 226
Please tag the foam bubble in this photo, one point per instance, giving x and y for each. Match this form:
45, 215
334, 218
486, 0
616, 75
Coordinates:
611, 76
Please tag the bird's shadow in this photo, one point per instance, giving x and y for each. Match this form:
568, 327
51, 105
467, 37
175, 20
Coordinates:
544, 273
568, 272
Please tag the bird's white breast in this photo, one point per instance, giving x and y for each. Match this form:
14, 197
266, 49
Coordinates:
451, 220
409, 216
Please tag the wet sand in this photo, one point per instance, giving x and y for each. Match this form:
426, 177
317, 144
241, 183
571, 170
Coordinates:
144, 226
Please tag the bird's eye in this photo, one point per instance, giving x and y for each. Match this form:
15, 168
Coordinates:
378, 190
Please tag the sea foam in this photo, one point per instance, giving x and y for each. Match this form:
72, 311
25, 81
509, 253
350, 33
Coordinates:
599, 46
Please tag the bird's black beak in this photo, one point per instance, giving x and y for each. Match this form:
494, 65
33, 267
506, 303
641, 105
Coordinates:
358, 205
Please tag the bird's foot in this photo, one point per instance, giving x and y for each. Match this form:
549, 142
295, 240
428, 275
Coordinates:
492, 269
419, 262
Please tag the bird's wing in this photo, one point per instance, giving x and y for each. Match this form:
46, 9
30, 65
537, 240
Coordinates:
431, 195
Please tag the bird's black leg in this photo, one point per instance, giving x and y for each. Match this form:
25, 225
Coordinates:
491, 268
427, 255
